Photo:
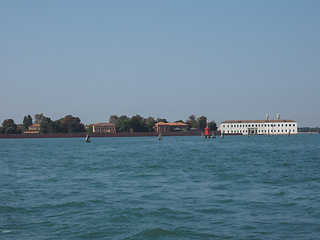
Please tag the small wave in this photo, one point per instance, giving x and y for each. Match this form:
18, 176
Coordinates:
156, 233
5, 231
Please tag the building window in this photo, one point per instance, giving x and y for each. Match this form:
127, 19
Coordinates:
289, 125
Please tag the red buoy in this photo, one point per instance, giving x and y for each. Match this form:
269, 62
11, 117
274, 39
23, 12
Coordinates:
207, 131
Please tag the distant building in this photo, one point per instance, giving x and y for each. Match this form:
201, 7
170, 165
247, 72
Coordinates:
103, 128
260, 127
35, 128
167, 127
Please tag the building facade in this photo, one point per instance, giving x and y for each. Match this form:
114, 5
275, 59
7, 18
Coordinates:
103, 128
260, 127
167, 127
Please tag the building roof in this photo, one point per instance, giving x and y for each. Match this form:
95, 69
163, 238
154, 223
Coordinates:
161, 123
178, 123
172, 124
35, 125
258, 121
102, 124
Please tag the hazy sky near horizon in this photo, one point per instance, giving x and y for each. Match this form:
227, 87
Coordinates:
225, 60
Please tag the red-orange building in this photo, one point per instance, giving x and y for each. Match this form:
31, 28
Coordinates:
167, 127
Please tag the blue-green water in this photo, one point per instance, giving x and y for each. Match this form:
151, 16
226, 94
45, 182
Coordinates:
178, 188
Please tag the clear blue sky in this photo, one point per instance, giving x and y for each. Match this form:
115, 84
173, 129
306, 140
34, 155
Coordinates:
170, 59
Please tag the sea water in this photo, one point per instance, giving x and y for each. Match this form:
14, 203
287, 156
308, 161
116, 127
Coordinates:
178, 188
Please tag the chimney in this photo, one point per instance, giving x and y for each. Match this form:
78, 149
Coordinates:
267, 117
278, 116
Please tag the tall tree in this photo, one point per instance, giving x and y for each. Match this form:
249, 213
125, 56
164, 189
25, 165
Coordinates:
202, 122
113, 119
9, 127
123, 124
27, 122
38, 118
45, 125
192, 122
137, 124
150, 122
72, 124
212, 126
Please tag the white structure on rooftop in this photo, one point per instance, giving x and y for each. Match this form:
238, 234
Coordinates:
260, 127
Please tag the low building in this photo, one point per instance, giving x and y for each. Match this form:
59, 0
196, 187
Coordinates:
167, 127
103, 128
35, 128
260, 127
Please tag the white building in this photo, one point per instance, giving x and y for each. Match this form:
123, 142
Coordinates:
260, 127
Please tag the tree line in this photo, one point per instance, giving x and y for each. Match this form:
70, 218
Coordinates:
309, 129
141, 124
71, 124
68, 124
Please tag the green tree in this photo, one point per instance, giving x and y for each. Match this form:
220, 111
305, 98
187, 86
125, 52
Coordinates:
72, 124
137, 124
202, 122
38, 118
45, 125
162, 120
192, 122
150, 122
212, 125
9, 127
55, 126
27, 122
113, 119
123, 124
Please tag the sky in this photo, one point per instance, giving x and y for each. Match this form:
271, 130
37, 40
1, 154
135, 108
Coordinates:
226, 60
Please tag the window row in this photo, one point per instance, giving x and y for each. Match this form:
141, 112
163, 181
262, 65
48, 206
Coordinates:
259, 131
261, 125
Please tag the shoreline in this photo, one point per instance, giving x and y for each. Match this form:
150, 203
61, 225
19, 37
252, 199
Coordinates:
83, 135
124, 134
